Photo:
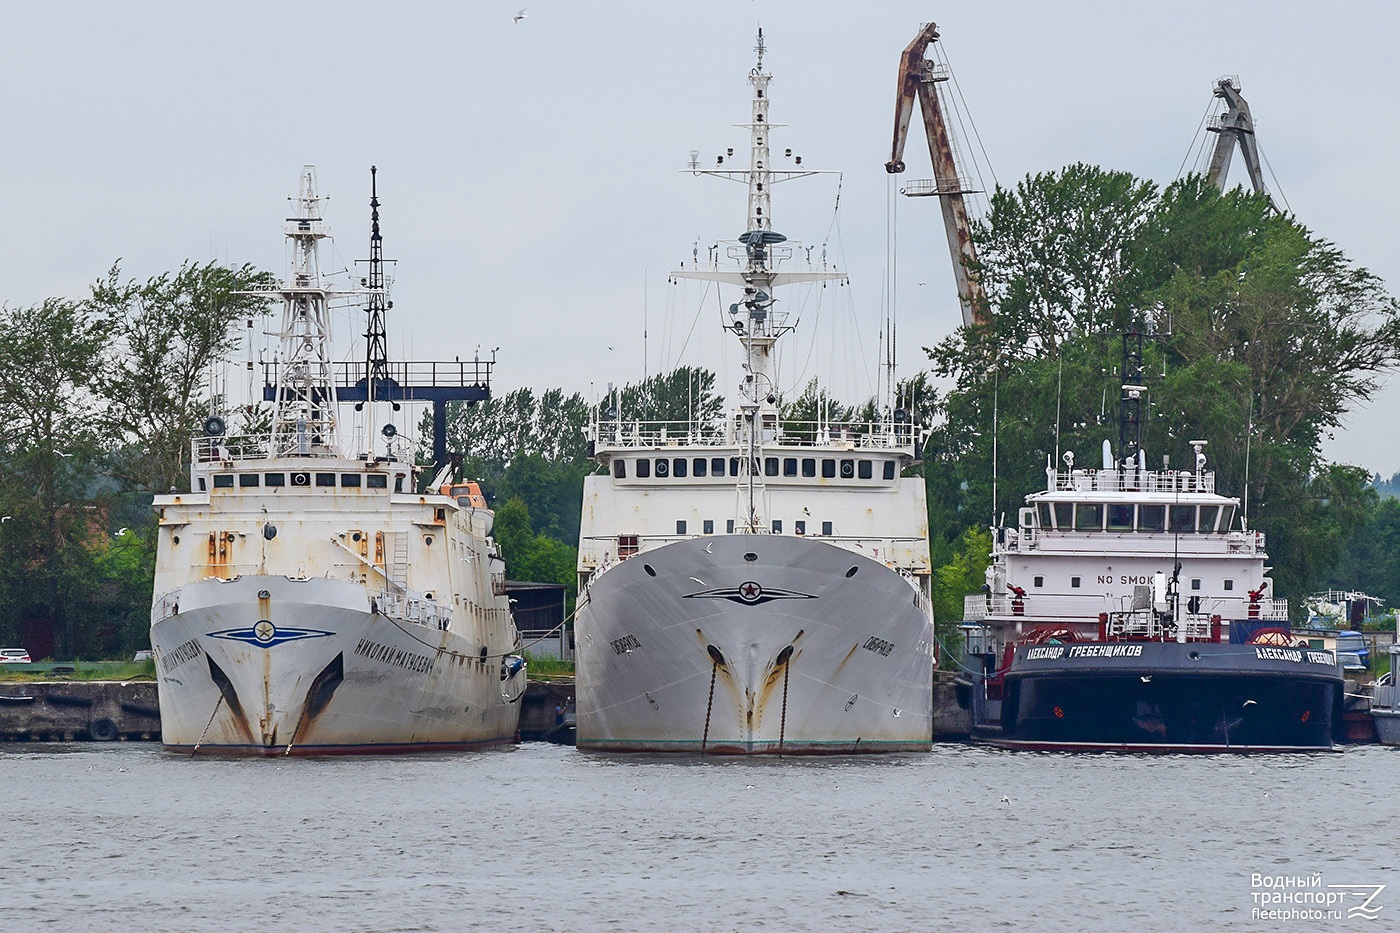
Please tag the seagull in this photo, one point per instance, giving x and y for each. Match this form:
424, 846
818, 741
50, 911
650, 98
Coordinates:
518, 16
1146, 678
698, 580
6, 518
1005, 799
1250, 703
121, 532
62, 454
709, 548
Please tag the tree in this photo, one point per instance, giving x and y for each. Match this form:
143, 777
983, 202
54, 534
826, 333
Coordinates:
49, 406
1260, 336
166, 336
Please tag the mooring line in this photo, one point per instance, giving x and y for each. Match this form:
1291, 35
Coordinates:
217, 704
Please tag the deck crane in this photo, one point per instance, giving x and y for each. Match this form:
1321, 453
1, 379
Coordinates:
1235, 126
918, 77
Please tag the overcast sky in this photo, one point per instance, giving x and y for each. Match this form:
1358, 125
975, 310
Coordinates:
531, 172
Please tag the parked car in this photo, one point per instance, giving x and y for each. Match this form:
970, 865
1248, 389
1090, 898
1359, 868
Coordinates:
1354, 643
14, 656
142, 656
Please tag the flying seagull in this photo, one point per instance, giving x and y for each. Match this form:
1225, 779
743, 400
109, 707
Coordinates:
121, 532
518, 16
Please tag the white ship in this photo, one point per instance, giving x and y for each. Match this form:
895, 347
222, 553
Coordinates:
754, 586
311, 601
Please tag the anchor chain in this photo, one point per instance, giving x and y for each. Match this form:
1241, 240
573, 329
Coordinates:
782, 723
217, 703
709, 706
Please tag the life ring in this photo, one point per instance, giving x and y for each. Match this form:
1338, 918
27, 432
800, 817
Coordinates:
103, 730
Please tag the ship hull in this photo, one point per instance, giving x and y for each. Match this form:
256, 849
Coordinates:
267, 665
1163, 697
753, 644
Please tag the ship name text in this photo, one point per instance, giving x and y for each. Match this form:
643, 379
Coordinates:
1295, 655
625, 644
879, 646
397, 657
177, 656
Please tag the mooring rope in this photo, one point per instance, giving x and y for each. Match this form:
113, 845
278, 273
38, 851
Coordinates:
217, 704
709, 706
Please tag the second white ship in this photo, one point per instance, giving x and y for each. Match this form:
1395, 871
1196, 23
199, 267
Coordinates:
755, 586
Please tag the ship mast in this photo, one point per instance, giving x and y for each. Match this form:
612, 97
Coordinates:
378, 383
304, 414
754, 321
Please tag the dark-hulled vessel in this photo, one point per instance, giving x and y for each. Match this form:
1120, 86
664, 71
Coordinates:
1128, 610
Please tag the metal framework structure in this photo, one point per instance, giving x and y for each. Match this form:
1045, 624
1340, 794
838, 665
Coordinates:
919, 77
1235, 127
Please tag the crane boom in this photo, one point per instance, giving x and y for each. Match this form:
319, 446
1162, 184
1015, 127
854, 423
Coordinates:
917, 77
1235, 126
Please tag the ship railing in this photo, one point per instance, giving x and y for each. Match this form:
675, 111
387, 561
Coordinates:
1133, 481
867, 435
599, 552
413, 609
1144, 624
230, 447
979, 606
165, 606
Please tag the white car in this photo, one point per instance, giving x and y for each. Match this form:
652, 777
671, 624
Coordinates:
14, 656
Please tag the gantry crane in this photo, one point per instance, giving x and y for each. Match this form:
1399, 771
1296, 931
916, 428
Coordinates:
1235, 126
918, 77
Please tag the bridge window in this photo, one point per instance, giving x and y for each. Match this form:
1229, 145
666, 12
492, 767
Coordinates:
729, 527
733, 466
325, 479
372, 480
716, 466
1181, 519
789, 466
889, 469
1088, 516
826, 528
1120, 516
223, 480
770, 466
620, 469
643, 468
351, 480
275, 479
1064, 515
699, 466
680, 526
848, 469
809, 467
828, 469
777, 526
866, 469
1043, 515
679, 467
1227, 517
663, 467
1209, 514
1152, 517
800, 527
248, 479
709, 526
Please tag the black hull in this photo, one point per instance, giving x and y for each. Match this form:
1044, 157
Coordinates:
1166, 698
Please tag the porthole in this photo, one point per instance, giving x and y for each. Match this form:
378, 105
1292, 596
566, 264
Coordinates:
428, 539
174, 539
651, 571
852, 572
751, 557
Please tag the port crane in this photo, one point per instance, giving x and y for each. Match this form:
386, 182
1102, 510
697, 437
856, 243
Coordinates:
918, 78
1235, 127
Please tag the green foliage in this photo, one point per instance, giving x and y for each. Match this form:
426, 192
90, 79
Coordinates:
962, 573
1261, 336
165, 335
537, 558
